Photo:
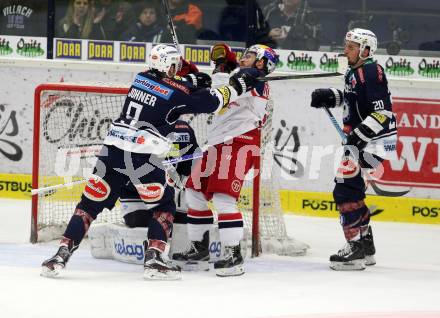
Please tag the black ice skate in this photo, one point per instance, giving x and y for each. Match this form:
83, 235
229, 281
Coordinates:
52, 266
369, 248
350, 257
231, 264
156, 268
196, 257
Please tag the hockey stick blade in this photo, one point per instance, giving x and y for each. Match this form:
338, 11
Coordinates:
386, 193
297, 76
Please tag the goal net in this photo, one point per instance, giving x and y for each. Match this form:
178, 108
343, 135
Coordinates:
70, 123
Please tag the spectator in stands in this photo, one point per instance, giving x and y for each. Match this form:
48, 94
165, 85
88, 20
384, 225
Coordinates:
187, 18
113, 18
78, 21
186, 12
233, 25
148, 28
292, 25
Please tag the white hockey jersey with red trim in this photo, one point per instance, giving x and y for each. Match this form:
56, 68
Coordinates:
240, 116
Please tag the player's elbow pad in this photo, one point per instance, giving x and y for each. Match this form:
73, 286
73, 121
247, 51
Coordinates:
225, 95
376, 122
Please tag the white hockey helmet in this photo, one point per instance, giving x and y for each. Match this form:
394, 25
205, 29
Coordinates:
264, 52
365, 38
162, 57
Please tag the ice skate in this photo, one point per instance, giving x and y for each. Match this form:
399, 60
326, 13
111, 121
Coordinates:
369, 248
196, 258
156, 268
350, 257
231, 264
52, 266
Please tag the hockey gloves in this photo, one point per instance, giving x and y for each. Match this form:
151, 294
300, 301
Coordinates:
244, 80
199, 79
326, 97
224, 58
188, 67
359, 137
372, 125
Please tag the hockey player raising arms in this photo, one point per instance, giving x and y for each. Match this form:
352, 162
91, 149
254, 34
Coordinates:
370, 126
134, 147
233, 139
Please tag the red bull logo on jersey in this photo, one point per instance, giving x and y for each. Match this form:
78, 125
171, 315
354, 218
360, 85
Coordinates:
153, 87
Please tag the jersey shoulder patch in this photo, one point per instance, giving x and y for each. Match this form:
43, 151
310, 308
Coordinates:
373, 73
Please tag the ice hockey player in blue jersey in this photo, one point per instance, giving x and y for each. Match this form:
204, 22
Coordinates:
370, 125
136, 144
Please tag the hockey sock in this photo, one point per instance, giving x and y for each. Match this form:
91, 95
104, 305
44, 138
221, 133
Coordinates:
365, 222
352, 217
159, 230
230, 227
78, 226
198, 223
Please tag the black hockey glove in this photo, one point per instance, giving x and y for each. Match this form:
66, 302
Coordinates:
359, 137
326, 97
199, 79
244, 80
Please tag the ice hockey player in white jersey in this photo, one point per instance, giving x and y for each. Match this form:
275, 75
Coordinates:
234, 142
136, 143
370, 125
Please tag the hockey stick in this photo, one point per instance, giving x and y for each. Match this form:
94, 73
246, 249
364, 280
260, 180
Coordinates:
335, 124
171, 25
297, 76
73, 183
376, 189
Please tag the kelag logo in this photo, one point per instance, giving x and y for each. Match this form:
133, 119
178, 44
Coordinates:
129, 250
29, 49
401, 67
5, 49
215, 248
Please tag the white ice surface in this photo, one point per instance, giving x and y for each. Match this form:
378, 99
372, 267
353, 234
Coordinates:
404, 283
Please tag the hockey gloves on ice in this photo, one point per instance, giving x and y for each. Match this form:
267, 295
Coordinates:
326, 97
244, 80
199, 79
